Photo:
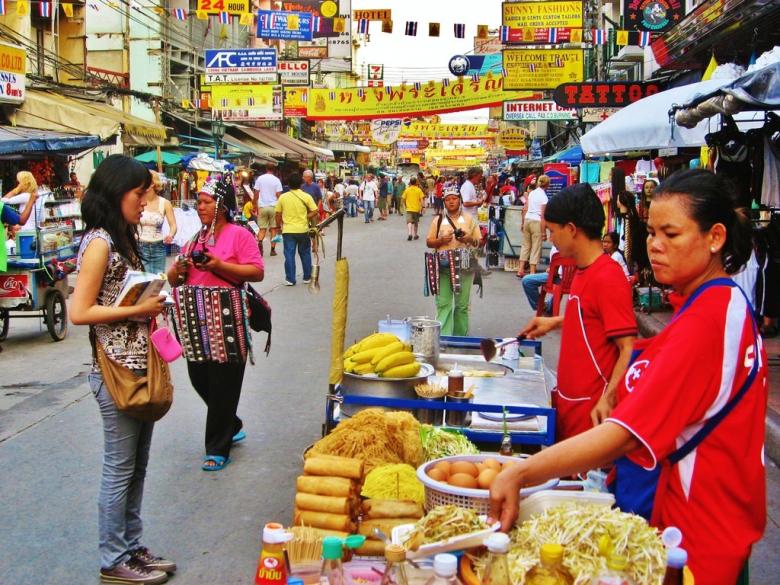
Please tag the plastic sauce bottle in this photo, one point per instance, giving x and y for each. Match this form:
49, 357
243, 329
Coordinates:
332, 570
395, 569
497, 571
676, 559
616, 573
445, 571
272, 568
550, 569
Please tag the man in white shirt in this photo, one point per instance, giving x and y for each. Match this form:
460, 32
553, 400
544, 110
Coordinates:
468, 191
267, 189
534, 229
370, 191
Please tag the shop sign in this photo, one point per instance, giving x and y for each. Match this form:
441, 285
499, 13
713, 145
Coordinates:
591, 115
455, 152
459, 65
345, 131
240, 60
557, 14
375, 83
385, 131
327, 10
376, 72
277, 24
559, 177
247, 102
373, 14
13, 61
212, 78
295, 102
229, 6
294, 72
513, 139
603, 94
541, 36
407, 145
672, 151
435, 131
396, 102
487, 46
14, 286
516, 111
317, 49
542, 68
652, 15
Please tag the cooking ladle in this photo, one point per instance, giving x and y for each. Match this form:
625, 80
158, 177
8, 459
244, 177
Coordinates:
489, 347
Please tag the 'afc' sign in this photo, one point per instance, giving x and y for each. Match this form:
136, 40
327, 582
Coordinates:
240, 61
603, 95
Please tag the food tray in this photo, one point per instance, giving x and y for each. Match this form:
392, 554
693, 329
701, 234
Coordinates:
546, 499
438, 493
425, 371
462, 542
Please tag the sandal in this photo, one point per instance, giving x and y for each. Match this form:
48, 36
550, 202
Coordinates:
219, 463
239, 436
520, 274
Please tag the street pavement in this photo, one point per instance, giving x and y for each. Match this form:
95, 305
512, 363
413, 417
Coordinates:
210, 523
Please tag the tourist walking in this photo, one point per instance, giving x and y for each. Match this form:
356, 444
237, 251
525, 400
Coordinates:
383, 198
398, 192
533, 227
413, 201
369, 194
468, 190
150, 237
294, 211
268, 187
352, 192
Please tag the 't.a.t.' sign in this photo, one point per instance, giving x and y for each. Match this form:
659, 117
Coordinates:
603, 94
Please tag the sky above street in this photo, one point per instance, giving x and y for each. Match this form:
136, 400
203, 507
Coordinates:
423, 58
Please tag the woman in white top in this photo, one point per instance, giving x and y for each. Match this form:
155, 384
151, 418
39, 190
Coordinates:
25, 189
610, 243
150, 237
534, 230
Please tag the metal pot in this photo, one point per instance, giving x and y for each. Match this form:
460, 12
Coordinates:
424, 335
357, 385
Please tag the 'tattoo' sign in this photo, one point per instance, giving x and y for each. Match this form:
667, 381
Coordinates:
603, 94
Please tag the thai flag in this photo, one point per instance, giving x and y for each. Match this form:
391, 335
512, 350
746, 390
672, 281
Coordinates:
417, 85
503, 72
196, 104
460, 31
475, 77
250, 101
224, 18
363, 26
264, 21
45, 9
599, 36
332, 95
361, 93
316, 24
532, 67
411, 28
180, 13
2, 6
644, 39
558, 62
94, 7
445, 82
224, 102
388, 90
552, 35
305, 97
504, 34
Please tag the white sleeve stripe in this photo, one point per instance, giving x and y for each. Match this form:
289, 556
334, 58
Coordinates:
639, 438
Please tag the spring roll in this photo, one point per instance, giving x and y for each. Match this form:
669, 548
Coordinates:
386, 525
371, 548
329, 504
334, 466
373, 509
340, 522
325, 486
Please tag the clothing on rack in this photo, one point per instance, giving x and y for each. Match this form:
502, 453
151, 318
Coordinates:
770, 185
605, 171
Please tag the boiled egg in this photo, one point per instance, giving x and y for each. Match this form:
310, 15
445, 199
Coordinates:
466, 467
463, 480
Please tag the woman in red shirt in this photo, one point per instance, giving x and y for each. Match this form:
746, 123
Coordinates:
693, 403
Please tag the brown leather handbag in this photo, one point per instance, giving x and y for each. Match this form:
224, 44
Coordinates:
146, 398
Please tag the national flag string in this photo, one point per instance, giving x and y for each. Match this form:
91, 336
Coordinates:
411, 29
460, 31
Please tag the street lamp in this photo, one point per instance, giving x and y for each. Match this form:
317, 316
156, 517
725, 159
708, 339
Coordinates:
218, 130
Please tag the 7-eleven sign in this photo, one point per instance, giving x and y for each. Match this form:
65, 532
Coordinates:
376, 72
375, 83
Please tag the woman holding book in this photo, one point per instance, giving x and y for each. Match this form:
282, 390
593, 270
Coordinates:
112, 208
221, 257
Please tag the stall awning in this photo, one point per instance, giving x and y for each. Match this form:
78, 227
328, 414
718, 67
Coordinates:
261, 149
15, 139
248, 146
48, 111
570, 156
347, 147
289, 145
325, 153
168, 158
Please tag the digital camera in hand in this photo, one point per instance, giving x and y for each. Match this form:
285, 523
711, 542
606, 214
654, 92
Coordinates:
199, 257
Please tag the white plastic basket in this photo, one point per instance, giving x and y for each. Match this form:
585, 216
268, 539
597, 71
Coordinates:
438, 493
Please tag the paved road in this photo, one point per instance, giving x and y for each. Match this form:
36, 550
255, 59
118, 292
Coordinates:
51, 440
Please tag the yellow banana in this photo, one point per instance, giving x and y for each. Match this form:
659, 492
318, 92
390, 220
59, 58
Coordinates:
378, 340
365, 356
397, 359
352, 349
366, 368
404, 371
349, 365
386, 351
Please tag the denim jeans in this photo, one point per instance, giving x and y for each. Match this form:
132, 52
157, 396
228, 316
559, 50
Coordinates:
351, 203
368, 206
532, 283
302, 243
153, 256
126, 442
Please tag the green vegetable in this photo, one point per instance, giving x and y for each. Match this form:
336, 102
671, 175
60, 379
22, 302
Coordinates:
437, 443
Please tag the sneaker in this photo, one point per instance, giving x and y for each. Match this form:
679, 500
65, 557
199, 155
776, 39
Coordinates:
288, 283
409, 239
151, 561
306, 280
132, 571
416, 237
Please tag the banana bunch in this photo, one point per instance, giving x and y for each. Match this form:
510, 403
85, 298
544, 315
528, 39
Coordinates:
383, 354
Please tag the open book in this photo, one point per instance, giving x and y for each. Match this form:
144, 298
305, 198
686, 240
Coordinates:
139, 286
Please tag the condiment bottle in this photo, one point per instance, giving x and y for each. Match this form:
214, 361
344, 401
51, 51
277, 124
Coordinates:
455, 381
445, 570
272, 568
497, 571
616, 573
395, 569
332, 570
506, 441
549, 570
676, 559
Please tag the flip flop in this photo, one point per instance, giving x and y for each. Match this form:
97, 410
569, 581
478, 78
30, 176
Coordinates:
219, 463
239, 436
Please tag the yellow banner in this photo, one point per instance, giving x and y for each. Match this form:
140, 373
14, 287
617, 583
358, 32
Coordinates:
12, 59
454, 152
396, 102
229, 6
542, 68
513, 138
559, 14
247, 102
295, 102
446, 131
459, 163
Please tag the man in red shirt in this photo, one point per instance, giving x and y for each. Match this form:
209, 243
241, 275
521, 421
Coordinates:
599, 327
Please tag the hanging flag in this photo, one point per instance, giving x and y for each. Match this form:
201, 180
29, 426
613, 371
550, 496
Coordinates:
482, 31
67, 9
185, 104
445, 82
621, 39
411, 28
388, 90
44, 9
224, 18
558, 62
504, 33
532, 67
159, 10
460, 31
135, 6
552, 35
201, 15
599, 36
575, 36
503, 72
316, 24
246, 19
94, 7
332, 95
22, 7
293, 22
644, 38
180, 13
434, 29
475, 77
250, 101
361, 93
417, 85
305, 97
339, 25
196, 104
224, 102
387, 26
363, 26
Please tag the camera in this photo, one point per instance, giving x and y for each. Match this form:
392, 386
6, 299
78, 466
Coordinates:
459, 233
199, 257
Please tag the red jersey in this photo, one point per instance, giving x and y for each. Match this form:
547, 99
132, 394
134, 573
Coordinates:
717, 494
598, 310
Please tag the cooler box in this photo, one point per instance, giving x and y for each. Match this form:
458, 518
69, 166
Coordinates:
26, 246
650, 298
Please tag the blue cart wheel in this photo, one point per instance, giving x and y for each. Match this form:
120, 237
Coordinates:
56, 315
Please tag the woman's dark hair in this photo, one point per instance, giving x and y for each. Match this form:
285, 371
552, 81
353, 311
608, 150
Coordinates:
637, 229
711, 200
618, 179
229, 202
579, 205
614, 238
101, 206
295, 181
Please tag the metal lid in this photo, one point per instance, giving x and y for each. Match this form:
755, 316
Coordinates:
395, 553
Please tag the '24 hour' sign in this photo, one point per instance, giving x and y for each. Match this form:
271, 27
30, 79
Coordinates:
603, 94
